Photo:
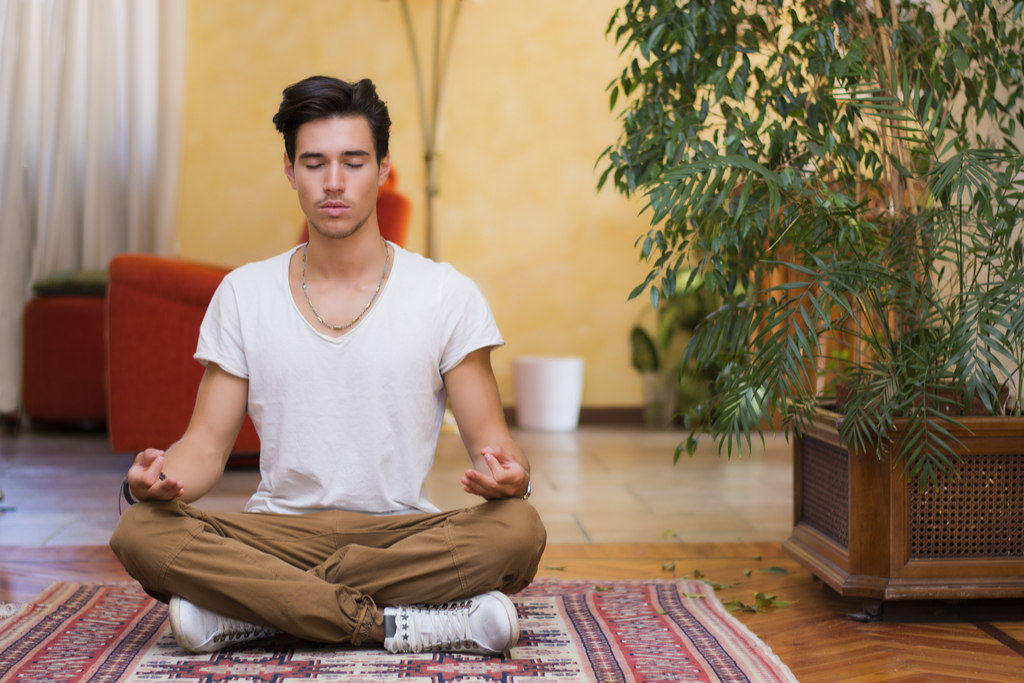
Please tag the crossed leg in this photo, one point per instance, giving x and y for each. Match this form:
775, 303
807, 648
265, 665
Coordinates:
321, 576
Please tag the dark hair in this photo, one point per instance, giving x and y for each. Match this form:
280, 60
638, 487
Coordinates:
323, 97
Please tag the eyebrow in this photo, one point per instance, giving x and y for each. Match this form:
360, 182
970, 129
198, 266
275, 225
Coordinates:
347, 153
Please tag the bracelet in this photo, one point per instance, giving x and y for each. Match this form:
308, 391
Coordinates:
128, 496
529, 487
126, 493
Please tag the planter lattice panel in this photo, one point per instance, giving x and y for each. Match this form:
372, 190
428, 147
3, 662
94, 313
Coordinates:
976, 516
826, 489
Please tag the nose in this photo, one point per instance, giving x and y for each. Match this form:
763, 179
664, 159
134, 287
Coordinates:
334, 179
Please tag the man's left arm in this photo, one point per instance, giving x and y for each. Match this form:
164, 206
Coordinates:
473, 396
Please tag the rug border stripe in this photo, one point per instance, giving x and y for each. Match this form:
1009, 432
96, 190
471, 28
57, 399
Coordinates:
753, 644
52, 607
720, 656
590, 641
22, 633
143, 631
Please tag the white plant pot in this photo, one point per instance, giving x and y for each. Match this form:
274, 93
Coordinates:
548, 392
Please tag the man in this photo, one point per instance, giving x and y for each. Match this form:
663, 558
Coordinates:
344, 352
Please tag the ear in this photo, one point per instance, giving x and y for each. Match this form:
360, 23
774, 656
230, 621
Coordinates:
289, 171
384, 170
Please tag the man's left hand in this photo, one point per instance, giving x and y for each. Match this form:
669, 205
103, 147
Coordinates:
507, 479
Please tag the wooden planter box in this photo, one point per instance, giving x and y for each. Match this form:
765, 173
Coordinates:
867, 532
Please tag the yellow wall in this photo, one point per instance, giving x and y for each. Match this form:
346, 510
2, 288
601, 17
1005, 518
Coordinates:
526, 118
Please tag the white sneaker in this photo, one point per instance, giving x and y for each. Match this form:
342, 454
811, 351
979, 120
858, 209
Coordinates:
485, 624
199, 630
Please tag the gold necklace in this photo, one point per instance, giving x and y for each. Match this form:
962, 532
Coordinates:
387, 260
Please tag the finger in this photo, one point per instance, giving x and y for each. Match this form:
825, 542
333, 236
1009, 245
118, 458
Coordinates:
487, 494
167, 489
486, 487
479, 478
146, 458
499, 454
140, 474
497, 468
161, 485
172, 492
475, 485
480, 485
152, 473
147, 470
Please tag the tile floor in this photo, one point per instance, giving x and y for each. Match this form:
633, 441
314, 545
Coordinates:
594, 485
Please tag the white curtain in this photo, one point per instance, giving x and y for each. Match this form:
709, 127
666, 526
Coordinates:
91, 102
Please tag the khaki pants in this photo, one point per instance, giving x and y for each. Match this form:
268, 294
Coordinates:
321, 576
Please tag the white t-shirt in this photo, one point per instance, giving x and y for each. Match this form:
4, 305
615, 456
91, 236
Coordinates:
349, 423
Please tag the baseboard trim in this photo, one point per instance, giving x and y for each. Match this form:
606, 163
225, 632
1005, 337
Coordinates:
606, 416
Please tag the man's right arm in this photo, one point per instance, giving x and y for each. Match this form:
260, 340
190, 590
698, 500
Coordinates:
194, 464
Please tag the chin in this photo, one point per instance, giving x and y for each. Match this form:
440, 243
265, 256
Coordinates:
339, 233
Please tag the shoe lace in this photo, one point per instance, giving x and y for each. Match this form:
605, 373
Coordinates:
442, 627
230, 630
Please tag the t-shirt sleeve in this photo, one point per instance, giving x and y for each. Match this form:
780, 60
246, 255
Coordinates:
468, 324
220, 336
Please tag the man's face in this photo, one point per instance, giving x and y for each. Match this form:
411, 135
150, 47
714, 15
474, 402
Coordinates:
335, 174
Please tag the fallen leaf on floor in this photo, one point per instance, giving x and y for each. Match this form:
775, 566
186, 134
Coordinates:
602, 588
557, 569
774, 570
661, 611
668, 566
697, 574
668, 533
757, 557
748, 572
718, 586
695, 596
738, 606
761, 601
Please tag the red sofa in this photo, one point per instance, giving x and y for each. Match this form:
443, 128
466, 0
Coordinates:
62, 359
154, 309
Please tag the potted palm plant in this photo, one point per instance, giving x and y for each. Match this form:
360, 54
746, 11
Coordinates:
846, 177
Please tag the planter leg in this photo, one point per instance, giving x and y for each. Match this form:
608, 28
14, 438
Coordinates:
872, 611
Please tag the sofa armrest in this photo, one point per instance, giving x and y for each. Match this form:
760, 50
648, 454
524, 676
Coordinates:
155, 307
189, 283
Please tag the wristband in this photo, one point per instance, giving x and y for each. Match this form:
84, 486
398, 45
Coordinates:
126, 493
128, 496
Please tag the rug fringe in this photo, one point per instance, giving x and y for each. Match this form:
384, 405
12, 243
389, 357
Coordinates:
8, 610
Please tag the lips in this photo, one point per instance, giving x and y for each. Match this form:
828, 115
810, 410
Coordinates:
334, 208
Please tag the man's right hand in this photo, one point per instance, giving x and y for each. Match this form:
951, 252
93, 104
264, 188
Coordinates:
144, 478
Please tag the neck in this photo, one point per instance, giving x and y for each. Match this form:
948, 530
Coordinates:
347, 258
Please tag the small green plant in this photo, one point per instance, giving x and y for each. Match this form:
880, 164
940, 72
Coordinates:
670, 385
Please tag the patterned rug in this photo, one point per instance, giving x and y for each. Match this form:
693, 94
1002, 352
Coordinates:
571, 632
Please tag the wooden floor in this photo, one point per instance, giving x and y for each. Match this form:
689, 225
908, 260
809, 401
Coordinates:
614, 507
931, 642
